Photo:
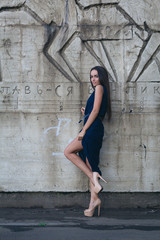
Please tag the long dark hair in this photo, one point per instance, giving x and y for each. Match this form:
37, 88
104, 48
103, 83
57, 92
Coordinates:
103, 78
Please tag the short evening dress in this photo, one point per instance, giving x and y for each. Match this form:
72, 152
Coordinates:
92, 141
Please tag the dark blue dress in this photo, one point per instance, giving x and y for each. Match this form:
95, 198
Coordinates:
92, 141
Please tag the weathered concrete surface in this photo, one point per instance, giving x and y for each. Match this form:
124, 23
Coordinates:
66, 223
81, 199
46, 52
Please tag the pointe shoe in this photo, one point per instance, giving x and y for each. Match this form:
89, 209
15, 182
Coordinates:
90, 211
97, 187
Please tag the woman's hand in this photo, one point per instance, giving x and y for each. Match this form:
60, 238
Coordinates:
81, 135
83, 110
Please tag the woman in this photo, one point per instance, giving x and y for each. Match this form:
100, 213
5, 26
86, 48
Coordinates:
89, 141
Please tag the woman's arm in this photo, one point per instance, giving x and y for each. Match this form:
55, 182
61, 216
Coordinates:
95, 110
83, 110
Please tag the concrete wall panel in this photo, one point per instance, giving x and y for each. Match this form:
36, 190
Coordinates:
46, 52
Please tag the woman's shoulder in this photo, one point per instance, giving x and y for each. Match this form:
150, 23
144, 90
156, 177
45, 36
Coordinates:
99, 88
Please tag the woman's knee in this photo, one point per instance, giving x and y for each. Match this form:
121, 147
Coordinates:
66, 152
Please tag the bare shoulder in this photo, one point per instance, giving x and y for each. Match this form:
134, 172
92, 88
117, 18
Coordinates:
99, 89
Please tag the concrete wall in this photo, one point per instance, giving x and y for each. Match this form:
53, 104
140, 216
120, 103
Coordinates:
46, 51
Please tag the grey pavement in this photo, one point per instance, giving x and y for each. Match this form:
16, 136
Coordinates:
70, 223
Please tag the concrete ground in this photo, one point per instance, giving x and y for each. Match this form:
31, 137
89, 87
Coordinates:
70, 223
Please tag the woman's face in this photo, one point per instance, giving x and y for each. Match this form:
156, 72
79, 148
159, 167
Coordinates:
94, 78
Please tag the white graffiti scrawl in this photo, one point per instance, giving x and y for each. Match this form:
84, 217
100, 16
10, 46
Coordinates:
62, 124
58, 127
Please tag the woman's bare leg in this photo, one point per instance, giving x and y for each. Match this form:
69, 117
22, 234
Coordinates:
71, 153
94, 195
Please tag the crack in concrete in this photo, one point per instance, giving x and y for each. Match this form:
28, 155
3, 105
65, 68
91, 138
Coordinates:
82, 225
92, 52
95, 5
33, 14
110, 61
158, 63
137, 62
13, 8
65, 58
0, 72
128, 17
25, 8
149, 62
52, 30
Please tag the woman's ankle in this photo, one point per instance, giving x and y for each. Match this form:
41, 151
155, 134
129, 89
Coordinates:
91, 179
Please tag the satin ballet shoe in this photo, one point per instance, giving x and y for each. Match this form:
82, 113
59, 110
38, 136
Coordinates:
97, 187
90, 211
